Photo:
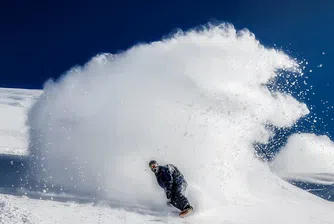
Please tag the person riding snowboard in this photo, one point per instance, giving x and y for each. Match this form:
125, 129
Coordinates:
174, 184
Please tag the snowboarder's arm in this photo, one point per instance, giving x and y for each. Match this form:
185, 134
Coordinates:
169, 184
168, 189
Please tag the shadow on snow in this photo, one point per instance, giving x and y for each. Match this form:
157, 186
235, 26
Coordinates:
15, 180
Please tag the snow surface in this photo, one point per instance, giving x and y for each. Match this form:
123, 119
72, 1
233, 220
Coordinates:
14, 104
195, 99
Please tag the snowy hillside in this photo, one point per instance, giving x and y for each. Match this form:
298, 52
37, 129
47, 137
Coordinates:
14, 104
78, 152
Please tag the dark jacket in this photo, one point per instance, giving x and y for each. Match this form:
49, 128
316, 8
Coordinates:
168, 176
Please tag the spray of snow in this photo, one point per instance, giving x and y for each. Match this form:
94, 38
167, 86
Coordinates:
197, 99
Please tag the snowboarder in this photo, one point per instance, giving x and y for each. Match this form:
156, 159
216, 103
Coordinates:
174, 184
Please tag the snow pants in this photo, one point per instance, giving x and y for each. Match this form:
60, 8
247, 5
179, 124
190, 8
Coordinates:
179, 199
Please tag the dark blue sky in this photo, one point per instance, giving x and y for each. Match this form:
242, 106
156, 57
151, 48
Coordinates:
42, 39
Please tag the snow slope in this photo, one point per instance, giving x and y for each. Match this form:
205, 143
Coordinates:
197, 99
14, 104
293, 161
15, 209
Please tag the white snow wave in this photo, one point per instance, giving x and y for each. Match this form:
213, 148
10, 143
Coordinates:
196, 99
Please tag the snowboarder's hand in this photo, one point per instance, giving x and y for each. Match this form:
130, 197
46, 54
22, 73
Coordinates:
169, 195
169, 203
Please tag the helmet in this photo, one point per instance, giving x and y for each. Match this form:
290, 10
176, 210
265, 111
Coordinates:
153, 166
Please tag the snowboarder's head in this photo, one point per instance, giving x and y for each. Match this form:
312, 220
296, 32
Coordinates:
154, 166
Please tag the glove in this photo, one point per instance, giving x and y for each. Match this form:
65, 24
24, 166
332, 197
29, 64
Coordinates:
169, 203
169, 195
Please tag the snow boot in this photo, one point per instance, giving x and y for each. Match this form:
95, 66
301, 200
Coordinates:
186, 211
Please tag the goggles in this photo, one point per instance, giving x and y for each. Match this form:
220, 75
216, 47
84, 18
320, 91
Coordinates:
154, 167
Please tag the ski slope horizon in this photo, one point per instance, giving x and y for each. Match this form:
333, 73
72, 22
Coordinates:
199, 99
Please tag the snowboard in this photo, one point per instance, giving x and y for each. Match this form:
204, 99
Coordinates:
186, 212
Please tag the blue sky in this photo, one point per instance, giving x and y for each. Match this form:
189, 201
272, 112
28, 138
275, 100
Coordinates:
40, 39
